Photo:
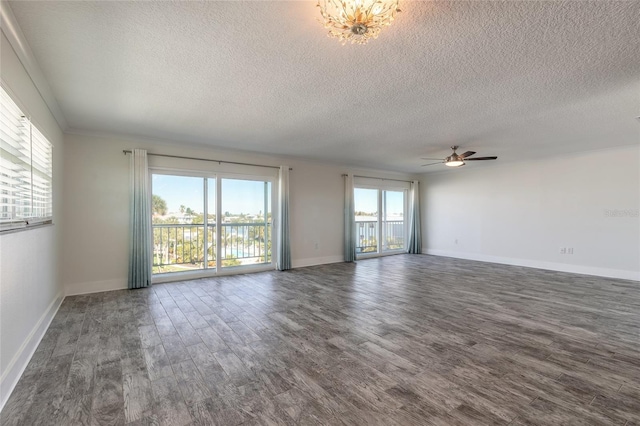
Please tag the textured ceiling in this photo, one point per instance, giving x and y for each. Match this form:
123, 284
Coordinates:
512, 79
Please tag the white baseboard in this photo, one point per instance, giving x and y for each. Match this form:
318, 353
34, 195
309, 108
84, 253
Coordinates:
95, 287
21, 359
551, 266
313, 261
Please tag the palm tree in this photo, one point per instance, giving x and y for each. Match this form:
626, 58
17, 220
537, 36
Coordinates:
159, 205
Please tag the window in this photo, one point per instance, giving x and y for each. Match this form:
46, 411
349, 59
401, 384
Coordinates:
25, 169
236, 233
379, 217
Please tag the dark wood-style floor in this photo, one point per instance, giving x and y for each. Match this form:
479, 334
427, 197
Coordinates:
402, 340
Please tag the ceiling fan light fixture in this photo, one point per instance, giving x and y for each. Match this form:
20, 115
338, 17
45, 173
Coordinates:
455, 160
357, 21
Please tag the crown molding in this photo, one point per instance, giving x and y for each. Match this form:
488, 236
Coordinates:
12, 31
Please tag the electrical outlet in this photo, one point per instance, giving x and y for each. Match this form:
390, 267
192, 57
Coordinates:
563, 250
456, 241
570, 250
316, 245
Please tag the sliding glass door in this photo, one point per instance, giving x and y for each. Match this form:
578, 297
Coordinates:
210, 222
245, 230
380, 220
393, 224
366, 206
180, 234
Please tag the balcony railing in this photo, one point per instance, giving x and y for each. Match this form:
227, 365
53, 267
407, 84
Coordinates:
180, 247
245, 241
367, 235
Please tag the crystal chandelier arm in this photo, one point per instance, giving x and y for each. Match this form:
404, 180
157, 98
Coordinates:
370, 9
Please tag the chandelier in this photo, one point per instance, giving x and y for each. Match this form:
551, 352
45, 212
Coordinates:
357, 21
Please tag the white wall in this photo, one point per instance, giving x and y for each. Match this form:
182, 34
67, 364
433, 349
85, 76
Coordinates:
96, 206
30, 284
521, 213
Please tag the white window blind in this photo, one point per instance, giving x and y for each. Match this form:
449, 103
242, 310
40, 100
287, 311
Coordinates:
25, 169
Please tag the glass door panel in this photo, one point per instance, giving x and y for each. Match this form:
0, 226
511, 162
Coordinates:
245, 227
393, 220
211, 223
178, 223
366, 211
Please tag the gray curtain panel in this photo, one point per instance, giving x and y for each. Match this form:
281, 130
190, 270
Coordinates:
284, 244
415, 234
349, 220
140, 221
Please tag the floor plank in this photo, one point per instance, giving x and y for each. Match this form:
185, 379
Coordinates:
400, 340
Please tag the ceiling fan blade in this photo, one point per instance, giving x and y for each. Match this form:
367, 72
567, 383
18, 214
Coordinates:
480, 158
431, 164
425, 158
467, 154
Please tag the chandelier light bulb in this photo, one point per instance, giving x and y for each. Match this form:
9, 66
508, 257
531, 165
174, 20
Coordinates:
357, 21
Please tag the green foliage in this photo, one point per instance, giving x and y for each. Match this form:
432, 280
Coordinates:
182, 247
231, 261
170, 220
159, 205
396, 243
370, 245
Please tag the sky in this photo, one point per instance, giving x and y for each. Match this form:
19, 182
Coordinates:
238, 196
366, 200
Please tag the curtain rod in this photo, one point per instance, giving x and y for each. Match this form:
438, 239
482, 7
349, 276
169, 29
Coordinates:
128, 151
371, 177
